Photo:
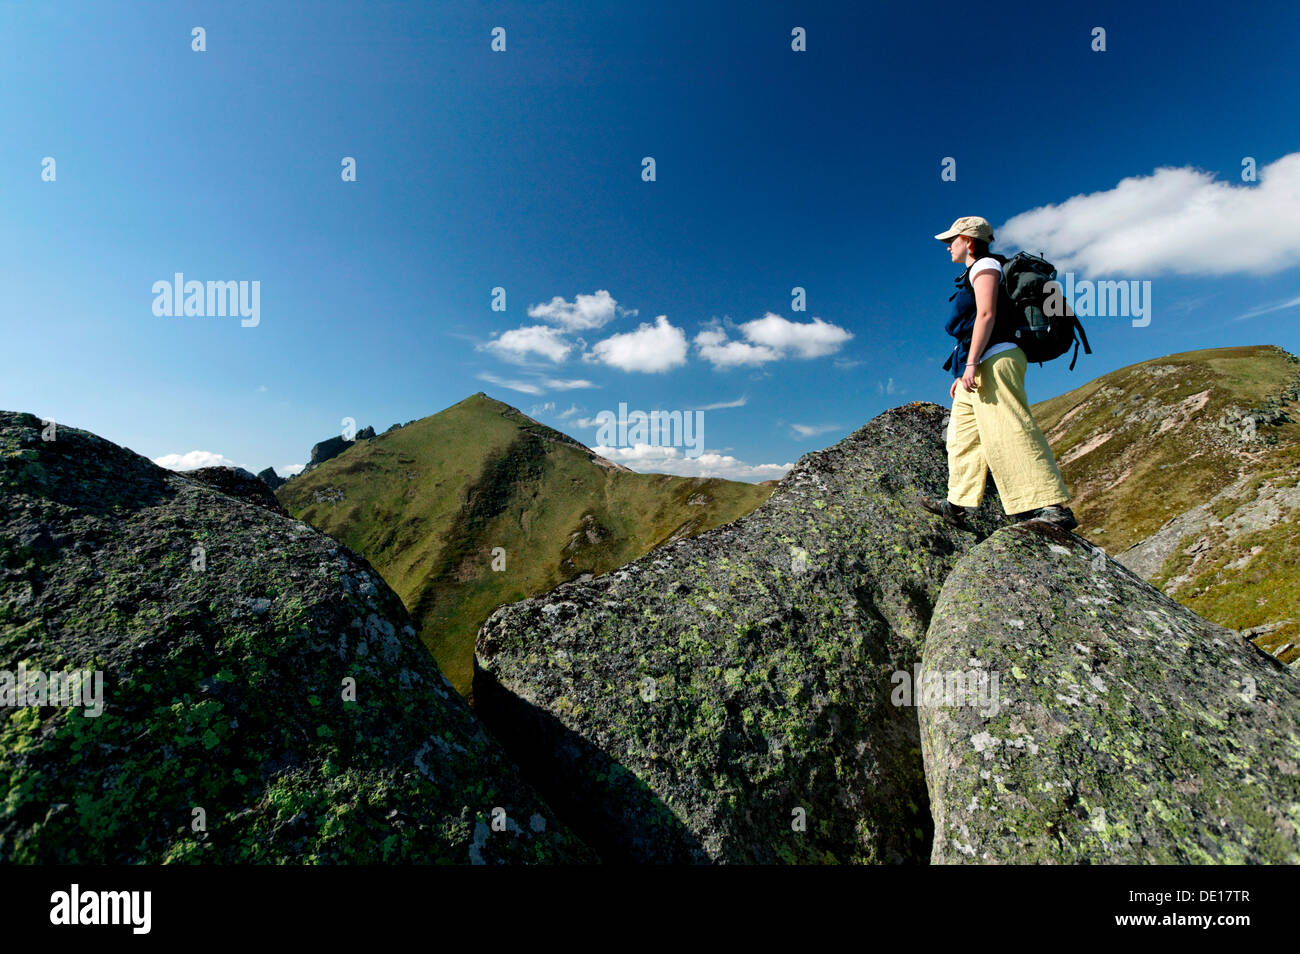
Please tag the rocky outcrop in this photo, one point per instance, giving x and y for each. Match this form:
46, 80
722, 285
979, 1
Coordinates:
271, 478
836, 676
1267, 505
238, 483
331, 447
263, 697
726, 698
1122, 727
326, 450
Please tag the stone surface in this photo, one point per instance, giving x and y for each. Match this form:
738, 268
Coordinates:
238, 483
702, 702
1127, 729
228, 637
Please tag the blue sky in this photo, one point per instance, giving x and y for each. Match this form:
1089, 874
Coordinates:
522, 170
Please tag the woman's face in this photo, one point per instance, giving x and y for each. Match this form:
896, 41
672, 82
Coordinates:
959, 246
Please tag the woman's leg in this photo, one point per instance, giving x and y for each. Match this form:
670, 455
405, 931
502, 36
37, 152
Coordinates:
967, 468
1017, 450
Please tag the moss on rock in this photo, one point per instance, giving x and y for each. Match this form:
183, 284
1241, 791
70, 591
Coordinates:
726, 698
265, 698
1127, 729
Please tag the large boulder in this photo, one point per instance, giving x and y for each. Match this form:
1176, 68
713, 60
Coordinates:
1124, 729
238, 483
263, 696
726, 698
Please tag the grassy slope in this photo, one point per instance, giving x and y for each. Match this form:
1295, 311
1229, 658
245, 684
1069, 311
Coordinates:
428, 503
1166, 453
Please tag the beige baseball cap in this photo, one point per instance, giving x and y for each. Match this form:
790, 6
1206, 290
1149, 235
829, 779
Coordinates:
971, 225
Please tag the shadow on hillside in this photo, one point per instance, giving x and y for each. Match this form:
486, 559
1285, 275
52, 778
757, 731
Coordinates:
601, 801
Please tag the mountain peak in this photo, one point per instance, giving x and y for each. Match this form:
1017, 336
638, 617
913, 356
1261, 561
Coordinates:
435, 504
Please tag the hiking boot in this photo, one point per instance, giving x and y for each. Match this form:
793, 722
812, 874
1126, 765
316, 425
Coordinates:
952, 514
1062, 517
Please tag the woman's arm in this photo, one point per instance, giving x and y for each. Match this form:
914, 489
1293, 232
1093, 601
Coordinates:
986, 304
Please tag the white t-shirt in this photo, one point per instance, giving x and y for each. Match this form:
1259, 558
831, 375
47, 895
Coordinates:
984, 265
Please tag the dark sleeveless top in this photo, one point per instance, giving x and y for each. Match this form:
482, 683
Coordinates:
961, 319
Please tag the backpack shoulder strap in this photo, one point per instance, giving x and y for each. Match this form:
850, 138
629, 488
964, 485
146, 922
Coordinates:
1078, 326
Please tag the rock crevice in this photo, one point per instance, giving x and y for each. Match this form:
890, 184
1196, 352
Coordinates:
742, 678
764, 692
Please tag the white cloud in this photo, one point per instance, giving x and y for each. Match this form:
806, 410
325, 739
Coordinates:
537, 386
582, 314
638, 453
814, 339
770, 338
1268, 309
565, 415
516, 345
1178, 219
550, 341
652, 459
651, 348
567, 384
812, 430
524, 387
193, 460
261, 389
887, 387
714, 348
739, 402
289, 470
547, 408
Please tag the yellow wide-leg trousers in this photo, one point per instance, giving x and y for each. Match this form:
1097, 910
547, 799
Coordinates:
992, 428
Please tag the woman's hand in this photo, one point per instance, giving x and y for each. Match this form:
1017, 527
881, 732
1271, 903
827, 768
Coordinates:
986, 308
952, 391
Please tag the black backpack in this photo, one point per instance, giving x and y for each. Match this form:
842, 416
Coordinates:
1040, 336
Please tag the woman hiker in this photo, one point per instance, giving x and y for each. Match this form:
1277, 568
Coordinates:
991, 426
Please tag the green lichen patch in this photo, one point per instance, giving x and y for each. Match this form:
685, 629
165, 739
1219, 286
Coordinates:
726, 698
265, 698
1128, 730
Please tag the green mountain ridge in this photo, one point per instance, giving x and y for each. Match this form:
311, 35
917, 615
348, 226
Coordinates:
480, 505
1185, 468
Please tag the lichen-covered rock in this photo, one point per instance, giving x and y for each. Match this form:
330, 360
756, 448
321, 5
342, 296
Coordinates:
238, 483
263, 697
1124, 729
727, 698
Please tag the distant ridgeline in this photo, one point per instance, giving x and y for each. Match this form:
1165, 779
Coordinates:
327, 449
1186, 468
